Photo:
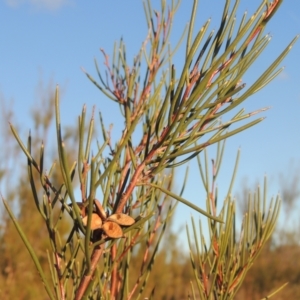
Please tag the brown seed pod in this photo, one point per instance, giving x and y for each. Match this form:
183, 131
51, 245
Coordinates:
112, 230
95, 223
99, 209
80, 207
121, 219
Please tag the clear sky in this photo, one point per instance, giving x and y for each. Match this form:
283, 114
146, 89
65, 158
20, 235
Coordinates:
53, 39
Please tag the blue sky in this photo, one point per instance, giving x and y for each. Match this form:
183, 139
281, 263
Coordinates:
52, 39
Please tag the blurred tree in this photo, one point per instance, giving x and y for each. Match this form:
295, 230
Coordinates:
17, 268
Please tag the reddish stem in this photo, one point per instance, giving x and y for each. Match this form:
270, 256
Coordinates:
114, 277
88, 275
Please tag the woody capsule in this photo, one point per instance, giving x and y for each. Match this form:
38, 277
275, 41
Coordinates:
111, 225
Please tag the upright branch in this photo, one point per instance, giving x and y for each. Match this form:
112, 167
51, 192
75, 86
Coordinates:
189, 109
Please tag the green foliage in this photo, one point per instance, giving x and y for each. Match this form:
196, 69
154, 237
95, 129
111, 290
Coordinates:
16, 268
108, 249
221, 264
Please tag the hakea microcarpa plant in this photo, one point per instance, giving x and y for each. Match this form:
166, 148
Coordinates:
177, 116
